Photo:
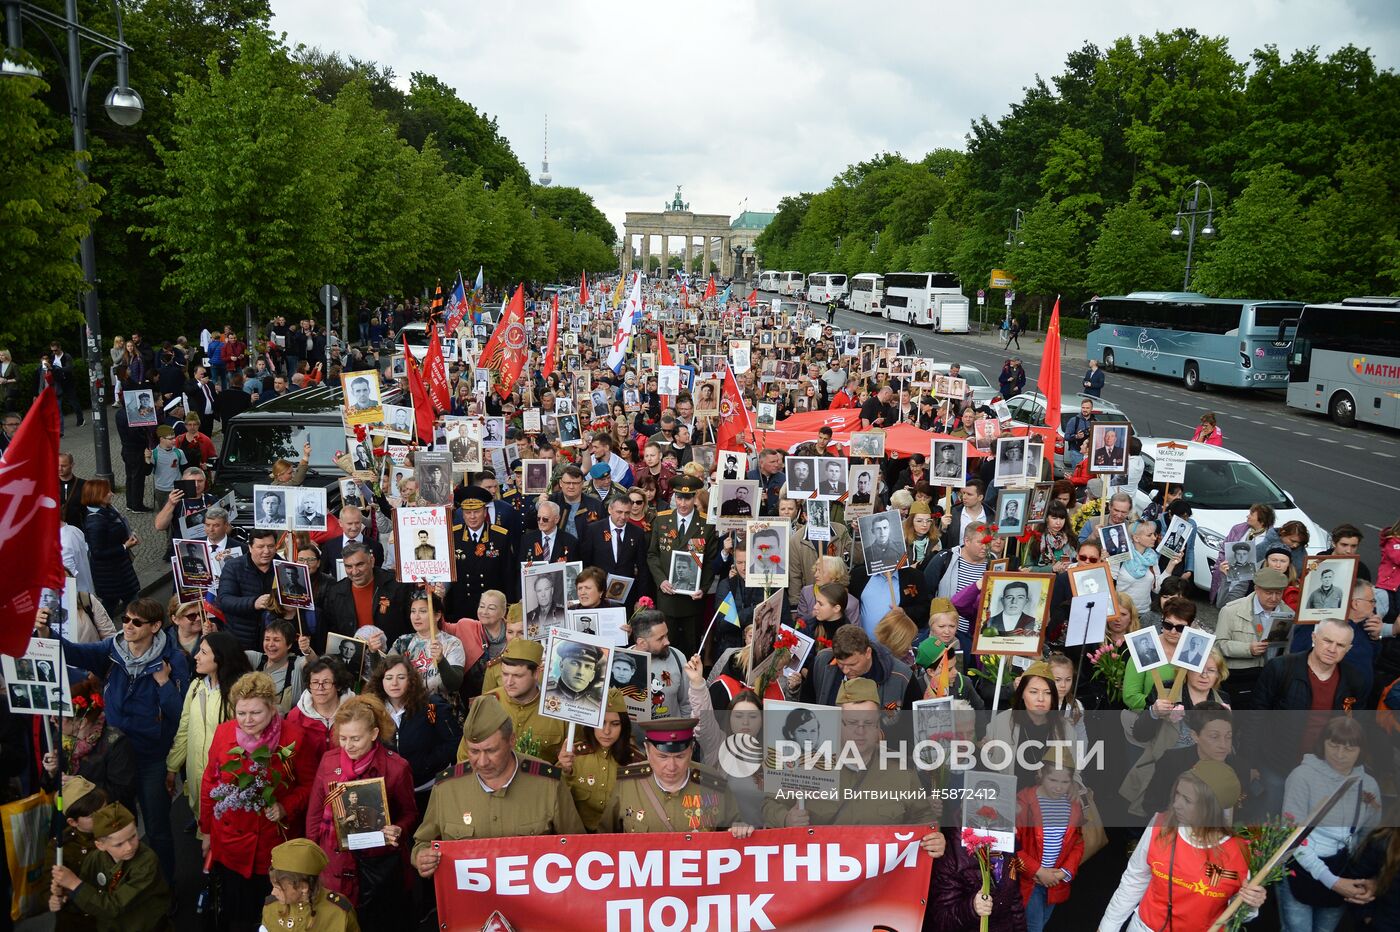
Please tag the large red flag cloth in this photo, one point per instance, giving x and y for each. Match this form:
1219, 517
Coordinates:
734, 418
422, 405
435, 373
1048, 380
30, 516
505, 352
551, 350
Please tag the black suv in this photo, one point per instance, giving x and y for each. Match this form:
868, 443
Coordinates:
278, 429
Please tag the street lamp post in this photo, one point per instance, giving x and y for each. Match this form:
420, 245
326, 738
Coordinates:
1190, 208
124, 107
1013, 239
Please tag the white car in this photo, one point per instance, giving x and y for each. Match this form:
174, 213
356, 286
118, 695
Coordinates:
1221, 486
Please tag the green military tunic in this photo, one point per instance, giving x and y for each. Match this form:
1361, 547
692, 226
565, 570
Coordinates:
535, 802
333, 913
491, 680
76, 846
591, 781
699, 540
881, 796
549, 733
704, 804
130, 897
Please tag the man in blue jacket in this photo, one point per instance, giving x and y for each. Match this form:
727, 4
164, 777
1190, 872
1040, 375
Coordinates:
245, 589
147, 675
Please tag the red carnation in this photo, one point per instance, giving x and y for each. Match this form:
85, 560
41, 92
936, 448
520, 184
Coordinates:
776, 559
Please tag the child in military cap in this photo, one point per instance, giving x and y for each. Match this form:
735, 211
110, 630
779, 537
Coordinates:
120, 884
298, 900
81, 800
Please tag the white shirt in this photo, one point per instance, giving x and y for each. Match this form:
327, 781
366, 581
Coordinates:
75, 556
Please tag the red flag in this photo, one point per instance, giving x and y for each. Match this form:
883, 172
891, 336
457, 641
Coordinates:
582, 291
422, 404
435, 371
734, 418
685, 296
30, 516
664, 358
710, 290
753, 299
505, 352
1048, 380
554, 334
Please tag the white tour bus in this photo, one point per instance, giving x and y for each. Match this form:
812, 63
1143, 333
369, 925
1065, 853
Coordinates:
790, 284
867, 289
768, 281
825, 287
928, 299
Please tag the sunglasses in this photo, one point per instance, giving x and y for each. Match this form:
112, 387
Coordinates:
1168, 626
1087, 557
138, 622
191, 616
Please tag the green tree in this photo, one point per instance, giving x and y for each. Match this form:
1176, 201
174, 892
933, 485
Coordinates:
574, 208
253, 218
468, 139
1051, 260
1266, 250
1133, 252
45, 211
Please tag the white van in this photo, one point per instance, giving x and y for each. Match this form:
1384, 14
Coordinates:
825, 287
867, 291
928, 299
790, 284
768, 281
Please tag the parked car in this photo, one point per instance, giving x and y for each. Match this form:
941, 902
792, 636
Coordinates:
1029, 408
1221, 485
982, 391
278, 429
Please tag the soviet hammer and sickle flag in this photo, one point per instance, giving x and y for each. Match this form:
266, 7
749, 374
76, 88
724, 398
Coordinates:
29, 522
505, 353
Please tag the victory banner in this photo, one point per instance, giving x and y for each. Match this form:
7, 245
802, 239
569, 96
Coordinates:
792, 879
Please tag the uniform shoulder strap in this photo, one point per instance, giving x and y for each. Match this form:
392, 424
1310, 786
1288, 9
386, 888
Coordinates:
338, 900
455, 771
707, 778
634, 770
538, 768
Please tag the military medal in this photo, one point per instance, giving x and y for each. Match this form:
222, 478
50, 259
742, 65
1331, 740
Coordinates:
641, 815
466, 818
591, 780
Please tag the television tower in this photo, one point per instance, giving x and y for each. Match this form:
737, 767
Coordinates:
544, 178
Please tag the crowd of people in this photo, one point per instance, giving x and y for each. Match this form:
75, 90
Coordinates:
225, 687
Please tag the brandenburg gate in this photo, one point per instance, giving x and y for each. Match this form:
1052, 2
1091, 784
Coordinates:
676, 220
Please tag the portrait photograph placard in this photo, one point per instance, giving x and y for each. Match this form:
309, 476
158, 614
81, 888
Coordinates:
351, 493
293, 581
1012, 508
1193, 650
543, 588
423, 544
349, 651
990, 807
818, 514
731, 465
360, 810
270, 507
767, 545
534, 477
530, 420
947, 462
1145, 647
361, 458
863, 483
38, 683
576, 678
1040, 501
1108, 450
618, 588
1174, 541
433, 470
1326, 588
361, 399
767, 418
308, 505
736, 500
1094, 579
1012, 619
831, 477
631, 676
800, 743
801, 476
684, 574
396, 423
1010, 461
882, 542
707, 398
1117, 546
140, 407
193, 564
868, 443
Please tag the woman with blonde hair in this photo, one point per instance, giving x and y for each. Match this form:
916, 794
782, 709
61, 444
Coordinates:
239, 830
897, 632
828, 569
920, 537
373, 879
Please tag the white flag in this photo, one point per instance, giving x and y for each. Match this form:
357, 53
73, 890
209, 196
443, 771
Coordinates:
631, 313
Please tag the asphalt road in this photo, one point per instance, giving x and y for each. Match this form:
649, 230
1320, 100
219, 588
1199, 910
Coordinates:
1335, 474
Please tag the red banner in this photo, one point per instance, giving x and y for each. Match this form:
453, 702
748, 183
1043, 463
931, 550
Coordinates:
791, 879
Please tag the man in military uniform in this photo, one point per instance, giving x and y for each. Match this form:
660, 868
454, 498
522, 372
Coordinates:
425, 550
682, 529
359, 817
888, 794
519, 695
293, 905
485, 558
495, 792
669, 792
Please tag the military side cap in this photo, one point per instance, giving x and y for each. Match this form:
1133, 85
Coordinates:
484, 719
299, 856
920, 508
859, 689
599, 470
617, 702
475, 498
671, 735
1222, 780
74, 789
1041, 669
575, 649
110, 819
686, 485
1270, 578
940, 606
930, 651
523, 650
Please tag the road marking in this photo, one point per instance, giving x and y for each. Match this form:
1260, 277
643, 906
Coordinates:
1326, 439
1179, 424
1301, 434
1389, 456
1393, 488
1352, 446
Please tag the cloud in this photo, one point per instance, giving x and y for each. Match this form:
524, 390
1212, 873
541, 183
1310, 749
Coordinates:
735, 99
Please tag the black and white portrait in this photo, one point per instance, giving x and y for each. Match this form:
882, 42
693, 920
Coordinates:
1010, 460
767, 416
1145, 647
140, 407
767, 545
1326, 588
870, 443
1011, 512
863, 483
948, 462
433, 470
196, 569
576, 678
801, 476
270, 507
882, 542
1108, 451
1013, 613
1193, 649
685, 573
1117, 546
543, 587
309, 512
732, 464
534, 477
349, 651
293, 584
831, 477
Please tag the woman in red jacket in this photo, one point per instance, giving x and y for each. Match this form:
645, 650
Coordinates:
375, 880
1049, 845
241, 825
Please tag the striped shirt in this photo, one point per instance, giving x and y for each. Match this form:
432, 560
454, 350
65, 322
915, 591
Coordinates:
968, 574
1054, 822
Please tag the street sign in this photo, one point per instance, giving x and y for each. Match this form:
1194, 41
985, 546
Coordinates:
1010, 298
1001, 278
981, 297
330, 294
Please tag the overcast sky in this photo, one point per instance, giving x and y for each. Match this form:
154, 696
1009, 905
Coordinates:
752, 101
